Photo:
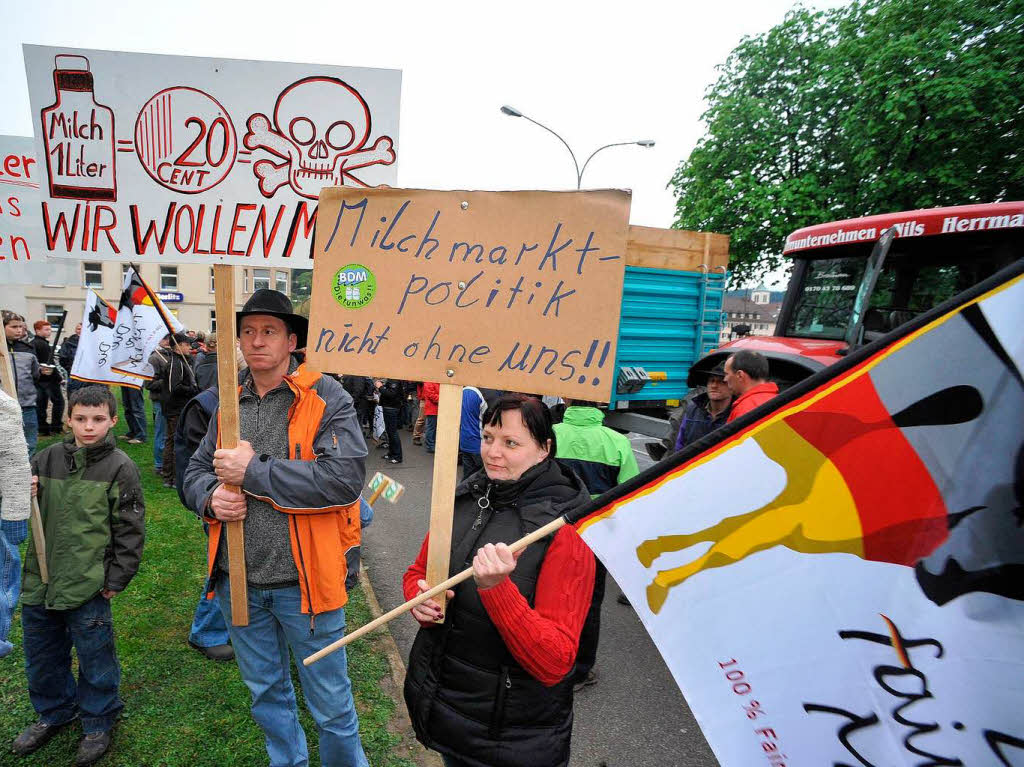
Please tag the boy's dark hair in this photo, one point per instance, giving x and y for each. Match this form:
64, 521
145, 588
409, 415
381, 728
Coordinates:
754, 364
10, 317
535, 414
93, 396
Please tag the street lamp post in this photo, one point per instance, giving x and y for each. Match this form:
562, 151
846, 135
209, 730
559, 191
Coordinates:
513, 112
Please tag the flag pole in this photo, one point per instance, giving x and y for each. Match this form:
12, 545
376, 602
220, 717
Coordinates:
441, 588
157, 303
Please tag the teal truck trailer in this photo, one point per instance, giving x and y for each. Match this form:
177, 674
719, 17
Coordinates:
671, 317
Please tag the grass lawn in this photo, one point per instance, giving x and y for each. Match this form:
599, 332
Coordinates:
180, 708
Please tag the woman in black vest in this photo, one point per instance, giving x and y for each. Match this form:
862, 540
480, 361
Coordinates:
491, 686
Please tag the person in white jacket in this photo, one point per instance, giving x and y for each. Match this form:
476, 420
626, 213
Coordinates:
15, 504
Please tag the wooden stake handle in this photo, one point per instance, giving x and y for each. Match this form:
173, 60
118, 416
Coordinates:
442, 491
437, 590
227, 384
39, 540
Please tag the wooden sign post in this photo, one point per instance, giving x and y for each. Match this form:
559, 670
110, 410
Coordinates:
35, 517
227, 385
442, 489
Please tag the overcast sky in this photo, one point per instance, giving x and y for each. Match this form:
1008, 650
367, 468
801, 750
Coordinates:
594, 72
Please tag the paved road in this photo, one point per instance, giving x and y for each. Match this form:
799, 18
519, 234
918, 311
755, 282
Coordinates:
634, 717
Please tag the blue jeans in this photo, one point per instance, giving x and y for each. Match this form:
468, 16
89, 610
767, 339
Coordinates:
30, 426
261, 649
48, 638
430, 432
208, 626
11, 535
159, 435
134, 412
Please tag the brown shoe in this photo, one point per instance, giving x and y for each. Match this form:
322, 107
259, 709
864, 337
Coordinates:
91, 748
35, 736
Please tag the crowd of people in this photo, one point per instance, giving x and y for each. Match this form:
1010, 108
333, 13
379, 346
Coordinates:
491, 677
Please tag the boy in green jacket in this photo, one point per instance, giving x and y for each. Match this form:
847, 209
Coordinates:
90, 497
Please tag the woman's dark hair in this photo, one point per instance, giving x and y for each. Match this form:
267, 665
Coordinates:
535, 414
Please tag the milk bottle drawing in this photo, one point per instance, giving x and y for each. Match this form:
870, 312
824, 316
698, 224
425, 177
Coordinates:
78, 134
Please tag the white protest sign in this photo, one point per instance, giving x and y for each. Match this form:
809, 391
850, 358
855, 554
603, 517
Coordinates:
22, 245
180, 159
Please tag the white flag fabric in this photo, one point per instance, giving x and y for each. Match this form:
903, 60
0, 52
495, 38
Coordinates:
837, 578
141, 322
98, 345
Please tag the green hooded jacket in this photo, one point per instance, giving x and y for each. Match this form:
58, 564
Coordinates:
602, 457
93, 519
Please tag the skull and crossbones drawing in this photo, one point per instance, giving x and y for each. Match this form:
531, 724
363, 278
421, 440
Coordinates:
320, 128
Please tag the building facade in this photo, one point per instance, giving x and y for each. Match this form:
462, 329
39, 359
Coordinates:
750, 309
186, 290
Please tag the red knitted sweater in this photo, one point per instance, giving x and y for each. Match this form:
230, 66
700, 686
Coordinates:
543, 639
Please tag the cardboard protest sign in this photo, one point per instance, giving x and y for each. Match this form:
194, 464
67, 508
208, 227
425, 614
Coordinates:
182, 159
511, 290
22, 245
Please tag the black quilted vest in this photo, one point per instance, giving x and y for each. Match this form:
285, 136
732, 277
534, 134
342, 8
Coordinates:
467, 695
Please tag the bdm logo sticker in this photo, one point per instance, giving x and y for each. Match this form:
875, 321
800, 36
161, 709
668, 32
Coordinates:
354, 286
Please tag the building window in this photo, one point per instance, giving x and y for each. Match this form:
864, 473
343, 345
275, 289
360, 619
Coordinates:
169, 278
213, 288
260, 279
245, 280
92, 274
53, 313
282, 281
213, 315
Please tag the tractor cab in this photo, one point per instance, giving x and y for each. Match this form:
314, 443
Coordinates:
855, 281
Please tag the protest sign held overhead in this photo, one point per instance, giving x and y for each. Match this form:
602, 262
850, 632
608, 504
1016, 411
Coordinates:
511, 290
857, 597
181, 159
22, 245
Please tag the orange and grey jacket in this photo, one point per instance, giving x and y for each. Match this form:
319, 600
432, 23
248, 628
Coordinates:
317, 486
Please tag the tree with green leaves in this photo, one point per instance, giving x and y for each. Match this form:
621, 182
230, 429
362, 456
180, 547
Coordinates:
879, 106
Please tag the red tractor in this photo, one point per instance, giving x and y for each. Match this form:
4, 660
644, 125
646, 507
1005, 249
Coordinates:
854, 281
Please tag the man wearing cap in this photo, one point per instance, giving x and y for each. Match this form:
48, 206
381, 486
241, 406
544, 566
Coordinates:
300, 467
706, 411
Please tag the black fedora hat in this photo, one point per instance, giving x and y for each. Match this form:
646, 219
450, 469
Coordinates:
276, 304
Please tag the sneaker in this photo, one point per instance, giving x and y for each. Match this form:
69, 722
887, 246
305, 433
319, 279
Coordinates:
35, 736
136, 441
394, 460
91, 748
217, 652
168, 483
587, 681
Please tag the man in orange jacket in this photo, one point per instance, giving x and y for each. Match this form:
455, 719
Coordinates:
300, 465
746, 375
